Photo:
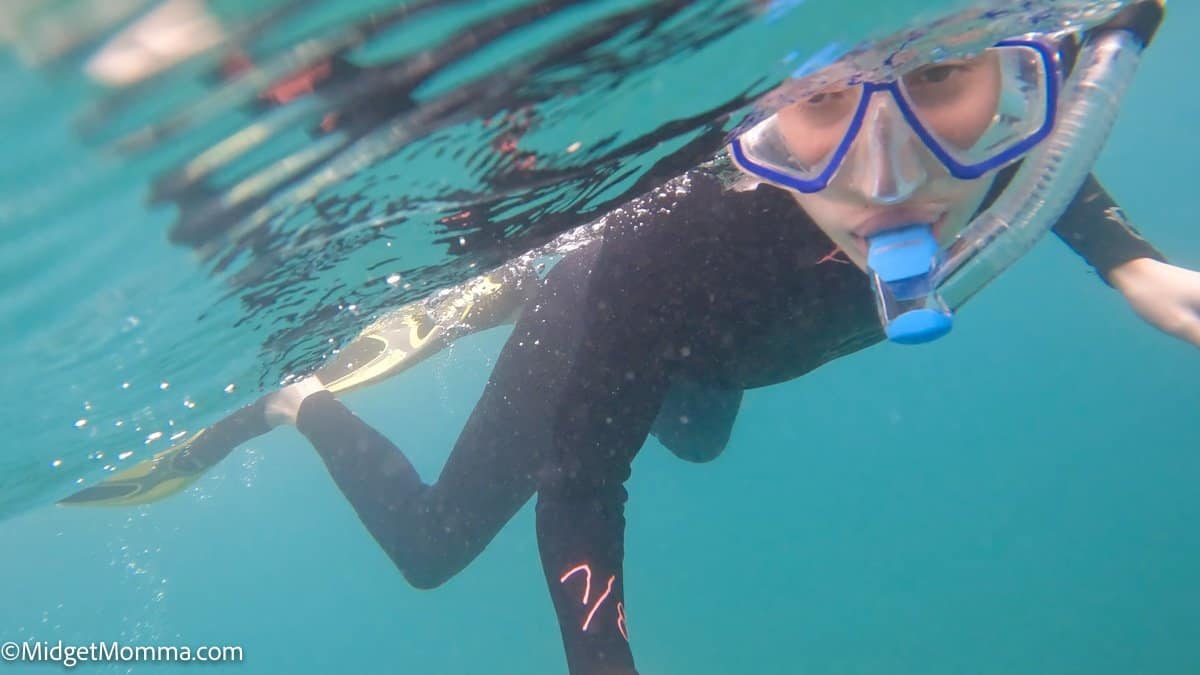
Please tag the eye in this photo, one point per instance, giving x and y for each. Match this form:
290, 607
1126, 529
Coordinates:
945, 83
937, 74
824, 108
825, 98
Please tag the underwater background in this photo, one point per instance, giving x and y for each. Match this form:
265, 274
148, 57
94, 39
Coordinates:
1017, 498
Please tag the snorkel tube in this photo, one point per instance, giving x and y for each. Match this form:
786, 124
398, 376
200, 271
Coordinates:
916, 294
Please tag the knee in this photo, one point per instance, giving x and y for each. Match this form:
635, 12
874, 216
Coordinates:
427, 567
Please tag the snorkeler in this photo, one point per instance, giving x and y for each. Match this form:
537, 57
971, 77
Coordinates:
621, 326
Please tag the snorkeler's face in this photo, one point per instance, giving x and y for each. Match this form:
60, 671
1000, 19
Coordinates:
889, 177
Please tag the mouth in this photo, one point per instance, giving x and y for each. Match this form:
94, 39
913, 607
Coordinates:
891, 221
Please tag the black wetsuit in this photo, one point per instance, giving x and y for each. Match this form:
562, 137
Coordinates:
693, 295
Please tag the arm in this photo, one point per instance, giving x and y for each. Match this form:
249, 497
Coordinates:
1165, 296
601, 423
614, 387
1096, 228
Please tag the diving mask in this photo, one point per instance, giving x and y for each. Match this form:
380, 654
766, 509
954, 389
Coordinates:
973, 114
917, 283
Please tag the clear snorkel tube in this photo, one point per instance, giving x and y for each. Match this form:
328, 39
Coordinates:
917, 292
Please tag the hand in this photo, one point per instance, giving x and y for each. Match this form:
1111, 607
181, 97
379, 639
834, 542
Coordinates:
1166, 296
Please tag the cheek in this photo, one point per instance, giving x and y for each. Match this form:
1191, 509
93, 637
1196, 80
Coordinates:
809, 142
833, 218
967, 197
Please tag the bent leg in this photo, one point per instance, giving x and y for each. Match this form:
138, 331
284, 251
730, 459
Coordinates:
433, 531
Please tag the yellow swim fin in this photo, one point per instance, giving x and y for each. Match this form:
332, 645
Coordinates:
177, 467
393, 344
164, 474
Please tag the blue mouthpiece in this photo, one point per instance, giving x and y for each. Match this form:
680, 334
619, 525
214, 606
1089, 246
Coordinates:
903, 261
904, 253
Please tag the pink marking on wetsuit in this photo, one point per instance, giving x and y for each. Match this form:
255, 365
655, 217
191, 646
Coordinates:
621, 625
587, 589
587, 592
599, 601
836, 255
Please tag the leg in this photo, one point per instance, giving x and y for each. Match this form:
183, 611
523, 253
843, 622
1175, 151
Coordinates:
433, 531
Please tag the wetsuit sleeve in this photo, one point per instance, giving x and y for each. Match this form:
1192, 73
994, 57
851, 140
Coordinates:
1096, 228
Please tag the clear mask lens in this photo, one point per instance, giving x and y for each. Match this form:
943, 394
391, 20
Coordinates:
977, 109
803, 139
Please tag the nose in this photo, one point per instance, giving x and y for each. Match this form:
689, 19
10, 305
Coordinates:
884, 162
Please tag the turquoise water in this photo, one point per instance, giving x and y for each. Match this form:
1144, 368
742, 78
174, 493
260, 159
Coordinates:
1027, 505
